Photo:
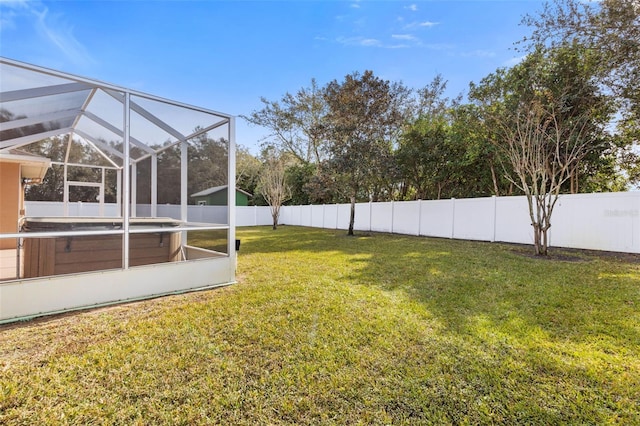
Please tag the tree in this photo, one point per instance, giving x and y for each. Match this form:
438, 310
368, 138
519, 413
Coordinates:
478, 168
550, 117
542, 149
569, 73
365, 117
295, 122
426, 157
247, 170
298, 177
207, 163
445, 151
610, 29
52, 186
272, 183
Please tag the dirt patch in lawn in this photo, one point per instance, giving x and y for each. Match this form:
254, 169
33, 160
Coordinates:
577, 255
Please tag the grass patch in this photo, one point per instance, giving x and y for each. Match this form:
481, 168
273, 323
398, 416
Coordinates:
328, 329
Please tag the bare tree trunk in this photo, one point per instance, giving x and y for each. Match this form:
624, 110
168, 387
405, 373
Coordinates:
275, 215
574, 180
533, 216
537, 238
496, 191
352, 217
273, 185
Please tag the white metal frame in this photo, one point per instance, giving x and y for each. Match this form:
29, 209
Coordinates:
25, 298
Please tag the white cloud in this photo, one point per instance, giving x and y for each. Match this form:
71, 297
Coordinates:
440, 46
51, 28
479, 53
412, 7
9, 11
14, 3
408, 37
423, 24
513, 61
370, 42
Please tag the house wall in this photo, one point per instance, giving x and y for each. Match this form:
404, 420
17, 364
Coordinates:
220, 199
10, 195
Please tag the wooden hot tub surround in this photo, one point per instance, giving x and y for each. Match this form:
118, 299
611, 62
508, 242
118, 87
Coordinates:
56, 255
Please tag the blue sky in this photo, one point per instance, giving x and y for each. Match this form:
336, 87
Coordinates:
225, 55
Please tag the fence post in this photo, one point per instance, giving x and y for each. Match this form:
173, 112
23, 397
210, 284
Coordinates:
453, 217
495, 213
419, 216
392, 211
323, 214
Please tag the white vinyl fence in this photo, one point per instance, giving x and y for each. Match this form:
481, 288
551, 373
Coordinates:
602, 221
245, 216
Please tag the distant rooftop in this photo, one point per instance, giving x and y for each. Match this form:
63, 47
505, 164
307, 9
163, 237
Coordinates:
215, 189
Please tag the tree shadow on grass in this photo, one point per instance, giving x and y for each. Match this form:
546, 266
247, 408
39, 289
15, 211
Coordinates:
464, 282
536, 340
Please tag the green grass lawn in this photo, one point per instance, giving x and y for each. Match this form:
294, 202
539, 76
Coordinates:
328, 329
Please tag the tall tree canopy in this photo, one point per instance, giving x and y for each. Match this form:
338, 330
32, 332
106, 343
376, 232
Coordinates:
608, 28
364, 119
295, 122
550, 119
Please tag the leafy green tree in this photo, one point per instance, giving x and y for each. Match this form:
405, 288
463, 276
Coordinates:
610, 30
566, 74
296, 123
298, 177
445, 150
479, 170
52, 187
364, 119
426, 157
207, 163
550, 118
247, 171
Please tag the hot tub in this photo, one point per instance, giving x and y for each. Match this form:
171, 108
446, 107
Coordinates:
65, 254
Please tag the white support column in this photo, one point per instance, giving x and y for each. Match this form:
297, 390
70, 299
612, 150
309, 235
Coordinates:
119, 191
231, 208
65, 196
126, 178
154, 185
102, 193
134, 190
184, 174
